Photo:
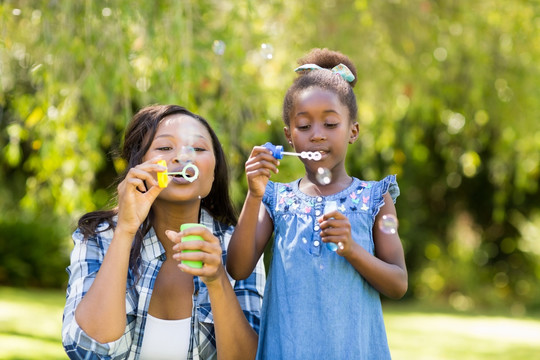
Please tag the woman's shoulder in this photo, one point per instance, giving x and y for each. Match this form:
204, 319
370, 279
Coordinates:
95, 228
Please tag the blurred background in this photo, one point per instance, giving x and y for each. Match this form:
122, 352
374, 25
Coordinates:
448, 94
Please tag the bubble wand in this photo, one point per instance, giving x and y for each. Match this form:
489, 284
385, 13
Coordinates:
277, 152
163, 176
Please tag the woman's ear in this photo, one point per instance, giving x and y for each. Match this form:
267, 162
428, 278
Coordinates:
355, 130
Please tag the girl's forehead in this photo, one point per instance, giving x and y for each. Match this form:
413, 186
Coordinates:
318, 99
317, 94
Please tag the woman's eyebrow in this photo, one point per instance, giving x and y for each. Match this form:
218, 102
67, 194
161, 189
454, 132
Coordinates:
172, 136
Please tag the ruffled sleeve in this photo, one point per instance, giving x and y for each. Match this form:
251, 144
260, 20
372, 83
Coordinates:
386, 185
269, 198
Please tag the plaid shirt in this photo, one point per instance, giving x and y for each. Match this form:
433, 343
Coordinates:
86, 259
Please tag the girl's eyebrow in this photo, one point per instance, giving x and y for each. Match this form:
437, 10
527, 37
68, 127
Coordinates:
324, 111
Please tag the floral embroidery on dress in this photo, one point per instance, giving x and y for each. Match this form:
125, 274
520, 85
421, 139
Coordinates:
365, 199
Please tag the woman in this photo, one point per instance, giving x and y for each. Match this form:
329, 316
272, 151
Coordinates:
129, 294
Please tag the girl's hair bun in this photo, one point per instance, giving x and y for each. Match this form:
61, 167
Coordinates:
327, 59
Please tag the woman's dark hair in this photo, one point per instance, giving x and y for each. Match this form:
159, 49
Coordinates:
139, 135
326, 80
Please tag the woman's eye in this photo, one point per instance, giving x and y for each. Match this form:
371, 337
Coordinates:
331, 125
199, 149
164, 148
303, 127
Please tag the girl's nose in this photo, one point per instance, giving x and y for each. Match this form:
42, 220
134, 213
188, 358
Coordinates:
318, 134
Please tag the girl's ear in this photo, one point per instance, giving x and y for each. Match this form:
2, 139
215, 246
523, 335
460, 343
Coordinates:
355, 129
287, 134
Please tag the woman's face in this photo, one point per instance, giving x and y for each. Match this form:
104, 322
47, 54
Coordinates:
180, 140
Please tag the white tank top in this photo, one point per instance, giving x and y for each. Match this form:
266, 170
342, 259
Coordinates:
165, 339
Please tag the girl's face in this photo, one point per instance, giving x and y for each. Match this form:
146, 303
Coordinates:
319, 122
179, 140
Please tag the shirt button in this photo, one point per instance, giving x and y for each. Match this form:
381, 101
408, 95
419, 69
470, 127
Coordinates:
316, 227
316, 243
319, 199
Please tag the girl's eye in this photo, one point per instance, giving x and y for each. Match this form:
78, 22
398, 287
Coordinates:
303, 127
164, 148
331, 125
199, 149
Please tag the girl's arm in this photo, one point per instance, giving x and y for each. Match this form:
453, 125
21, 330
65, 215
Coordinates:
235, 338
254, 226
102, 311
386, 271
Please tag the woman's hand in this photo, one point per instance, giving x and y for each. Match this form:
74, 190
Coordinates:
209, 253
336, 228
259, 167
136, 194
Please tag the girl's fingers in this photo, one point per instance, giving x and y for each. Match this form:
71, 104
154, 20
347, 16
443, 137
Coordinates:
262, 164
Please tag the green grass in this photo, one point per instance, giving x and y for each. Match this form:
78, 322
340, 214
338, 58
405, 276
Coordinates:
415, 332
30, 328
30, 324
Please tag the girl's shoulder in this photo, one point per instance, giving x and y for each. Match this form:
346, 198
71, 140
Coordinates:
371, 193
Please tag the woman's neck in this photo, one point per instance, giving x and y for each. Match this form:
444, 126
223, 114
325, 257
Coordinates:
169, 216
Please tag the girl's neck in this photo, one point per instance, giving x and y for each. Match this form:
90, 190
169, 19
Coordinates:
310, 185
169, 216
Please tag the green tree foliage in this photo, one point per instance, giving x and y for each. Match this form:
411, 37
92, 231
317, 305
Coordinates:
448, 100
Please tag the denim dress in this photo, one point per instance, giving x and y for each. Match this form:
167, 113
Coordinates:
316, 305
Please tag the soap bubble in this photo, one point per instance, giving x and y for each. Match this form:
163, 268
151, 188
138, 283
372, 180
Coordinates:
186, 154
324, 176
218, 47
267, 51
388, 224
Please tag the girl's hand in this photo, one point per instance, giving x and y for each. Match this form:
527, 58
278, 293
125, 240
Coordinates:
336, 228
136, 194
209, 253
259, 167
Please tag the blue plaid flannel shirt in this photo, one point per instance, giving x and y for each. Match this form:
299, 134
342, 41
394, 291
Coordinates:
86, 259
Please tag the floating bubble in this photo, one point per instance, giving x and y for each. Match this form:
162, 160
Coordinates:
388, 224
324, 176
267, 51
186, 154
218, 47
106, 12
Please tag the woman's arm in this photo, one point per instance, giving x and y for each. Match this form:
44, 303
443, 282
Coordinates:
235, 338
102, 311
386, 271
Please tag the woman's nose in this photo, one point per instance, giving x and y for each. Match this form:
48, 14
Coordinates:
185, 154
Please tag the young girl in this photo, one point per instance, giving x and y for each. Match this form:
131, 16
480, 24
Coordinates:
129, 295
320, 303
